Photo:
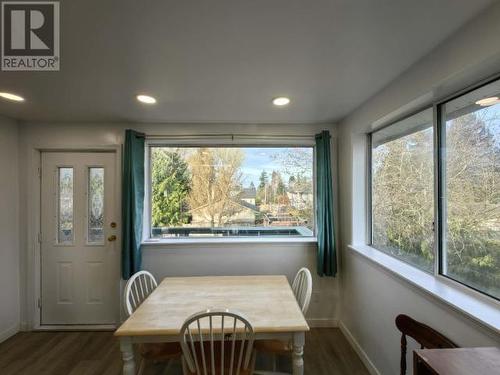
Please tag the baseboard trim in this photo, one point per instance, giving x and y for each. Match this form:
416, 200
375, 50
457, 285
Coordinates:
322, 323
9, 332
358, 349
24, 327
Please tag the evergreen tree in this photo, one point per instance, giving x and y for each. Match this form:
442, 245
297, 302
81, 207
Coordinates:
170, 188
264, 179
262, 190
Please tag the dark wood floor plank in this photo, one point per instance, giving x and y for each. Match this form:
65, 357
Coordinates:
29, 352
11, 348
59, 358
327, 352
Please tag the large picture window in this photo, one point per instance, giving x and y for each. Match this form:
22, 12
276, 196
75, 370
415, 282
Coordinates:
405, 205
231, 191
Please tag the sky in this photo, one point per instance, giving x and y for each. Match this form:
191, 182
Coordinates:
259, 159
492, 113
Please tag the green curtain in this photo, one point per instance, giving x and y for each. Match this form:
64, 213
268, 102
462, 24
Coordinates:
327, 254
132, 202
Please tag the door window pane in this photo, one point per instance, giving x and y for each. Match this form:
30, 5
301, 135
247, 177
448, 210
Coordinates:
65, 206
96, 205
471, 189
402, 190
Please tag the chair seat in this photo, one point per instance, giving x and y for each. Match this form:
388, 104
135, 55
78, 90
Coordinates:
273, 346
227, 359
163, 351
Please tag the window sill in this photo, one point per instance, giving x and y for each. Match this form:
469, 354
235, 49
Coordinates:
233, 240
469, 302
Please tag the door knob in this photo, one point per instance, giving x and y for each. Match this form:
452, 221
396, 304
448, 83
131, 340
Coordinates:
112, 225
112, 238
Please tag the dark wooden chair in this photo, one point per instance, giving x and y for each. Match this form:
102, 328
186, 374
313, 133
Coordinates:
427, 337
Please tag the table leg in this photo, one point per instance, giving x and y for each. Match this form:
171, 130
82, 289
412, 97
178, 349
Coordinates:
127, 350
298, 351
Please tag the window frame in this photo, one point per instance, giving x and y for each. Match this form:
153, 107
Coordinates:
439, 154
369, 204
245, 142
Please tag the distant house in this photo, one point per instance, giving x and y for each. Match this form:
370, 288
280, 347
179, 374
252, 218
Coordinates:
247, 214
249, 194
238, 212
300, 195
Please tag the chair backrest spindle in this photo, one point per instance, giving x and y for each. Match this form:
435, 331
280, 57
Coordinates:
227, 331
138, 288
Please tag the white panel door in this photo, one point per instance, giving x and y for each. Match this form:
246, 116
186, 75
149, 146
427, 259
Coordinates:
80, 261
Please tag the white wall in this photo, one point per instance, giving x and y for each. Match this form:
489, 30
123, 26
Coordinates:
177, 260
372, 296
9, 229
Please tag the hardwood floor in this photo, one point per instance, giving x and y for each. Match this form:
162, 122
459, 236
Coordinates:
327, 352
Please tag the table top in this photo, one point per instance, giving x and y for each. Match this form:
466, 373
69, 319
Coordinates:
462, 361
267, 302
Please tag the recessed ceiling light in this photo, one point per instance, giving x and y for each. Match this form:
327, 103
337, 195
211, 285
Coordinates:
281, 101
146, 99
488, 101
9, 96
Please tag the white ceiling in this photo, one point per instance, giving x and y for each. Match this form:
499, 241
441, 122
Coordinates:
223, 61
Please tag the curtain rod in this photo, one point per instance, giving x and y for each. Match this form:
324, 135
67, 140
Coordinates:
229, 136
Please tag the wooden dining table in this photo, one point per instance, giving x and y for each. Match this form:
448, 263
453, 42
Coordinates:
267, 302
457, 361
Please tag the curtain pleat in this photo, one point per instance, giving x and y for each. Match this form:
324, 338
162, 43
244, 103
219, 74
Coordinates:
132, 202
327, 254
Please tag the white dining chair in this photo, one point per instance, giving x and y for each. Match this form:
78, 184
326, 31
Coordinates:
217, 342
138, 288
302, 289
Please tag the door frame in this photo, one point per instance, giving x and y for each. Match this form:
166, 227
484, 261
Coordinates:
33, 269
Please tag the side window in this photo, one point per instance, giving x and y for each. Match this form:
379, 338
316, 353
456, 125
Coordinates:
402, 190
470, 192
